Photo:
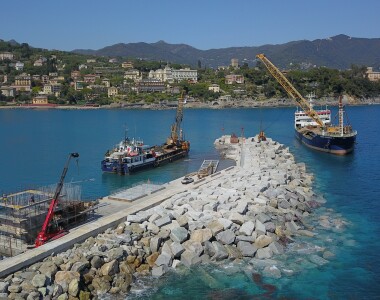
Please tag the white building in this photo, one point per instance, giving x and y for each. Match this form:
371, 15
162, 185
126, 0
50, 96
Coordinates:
19, 66
214, 88
6, 55
132, 74
170, 75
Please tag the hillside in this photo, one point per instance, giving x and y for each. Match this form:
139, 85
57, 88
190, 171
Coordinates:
338, 52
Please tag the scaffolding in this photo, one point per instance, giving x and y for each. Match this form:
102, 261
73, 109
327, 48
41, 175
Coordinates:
23, 213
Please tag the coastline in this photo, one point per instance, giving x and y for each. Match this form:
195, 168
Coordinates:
238, 104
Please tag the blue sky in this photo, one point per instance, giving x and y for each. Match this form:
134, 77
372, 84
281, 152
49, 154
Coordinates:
203, 24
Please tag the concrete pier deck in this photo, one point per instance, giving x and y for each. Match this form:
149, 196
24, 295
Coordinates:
114, 213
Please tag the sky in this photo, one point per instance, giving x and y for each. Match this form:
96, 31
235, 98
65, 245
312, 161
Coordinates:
203, 24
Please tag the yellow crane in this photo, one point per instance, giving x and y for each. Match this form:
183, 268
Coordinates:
176, 131
291, 90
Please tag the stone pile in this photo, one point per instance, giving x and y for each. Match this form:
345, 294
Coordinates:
249, 213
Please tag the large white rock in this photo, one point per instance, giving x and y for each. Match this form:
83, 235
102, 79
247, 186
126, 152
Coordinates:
247, 228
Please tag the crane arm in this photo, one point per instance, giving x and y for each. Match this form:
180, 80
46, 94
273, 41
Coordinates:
42, 236
290, 89
176, 127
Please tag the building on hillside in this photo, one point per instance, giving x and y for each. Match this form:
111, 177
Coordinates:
89, 78
40, 100
52, 89
112, 91
36, 77
185, 74
132, 74
235, 63
112, 60
53, 74
45, 79
78, 85
75, 75
106, 82
6, 55
8, 91
164, 75
149, 85
127, 65
91, 60
23, 82
231, 79
82, 66
372, 75
170, 75
19, 66
214, 88
38, 63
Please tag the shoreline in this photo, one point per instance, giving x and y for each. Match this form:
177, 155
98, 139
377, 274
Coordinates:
251, 216
152, 107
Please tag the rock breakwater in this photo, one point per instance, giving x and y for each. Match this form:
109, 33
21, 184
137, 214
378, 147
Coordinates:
250, 215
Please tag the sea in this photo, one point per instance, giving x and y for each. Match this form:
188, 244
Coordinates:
35, 145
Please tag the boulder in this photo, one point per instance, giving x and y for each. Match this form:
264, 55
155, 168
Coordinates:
220, 251
215, 226
189, 258
110, 268
233, 252
236, 218
182, 221
264, 253
226, 237
177, 249
247, 228
39, 280
165, 220
201, 235
115, 253
155, 243
80, 266
225, 222
260, 227
101, 285
4, 286
27, 286
63, 278
73, 288
151, 259
96, 262
247, 249
262, 241
179, 234
159, 271
163, 259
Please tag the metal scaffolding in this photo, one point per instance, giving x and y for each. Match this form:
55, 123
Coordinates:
23, 213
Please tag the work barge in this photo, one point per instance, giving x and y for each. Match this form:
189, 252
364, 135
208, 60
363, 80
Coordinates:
23, 213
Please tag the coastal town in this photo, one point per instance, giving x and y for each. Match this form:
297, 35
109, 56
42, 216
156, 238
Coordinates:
30, 78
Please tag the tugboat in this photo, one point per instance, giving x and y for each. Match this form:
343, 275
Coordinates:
131, 155
313, 127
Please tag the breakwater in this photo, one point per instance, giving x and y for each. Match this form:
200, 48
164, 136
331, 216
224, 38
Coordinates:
250, 213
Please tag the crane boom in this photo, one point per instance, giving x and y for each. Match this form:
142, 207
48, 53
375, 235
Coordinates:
175, 135
290, 89
43, 236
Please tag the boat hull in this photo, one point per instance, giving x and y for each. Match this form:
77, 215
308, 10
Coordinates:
120, 168
331, 144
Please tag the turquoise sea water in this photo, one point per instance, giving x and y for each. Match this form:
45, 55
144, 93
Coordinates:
35, 145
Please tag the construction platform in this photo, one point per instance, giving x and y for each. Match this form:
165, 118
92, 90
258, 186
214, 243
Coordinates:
136, 192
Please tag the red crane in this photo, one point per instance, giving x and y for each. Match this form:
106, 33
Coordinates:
46, 232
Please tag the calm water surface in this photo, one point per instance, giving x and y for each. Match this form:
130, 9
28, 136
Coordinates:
35, 145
